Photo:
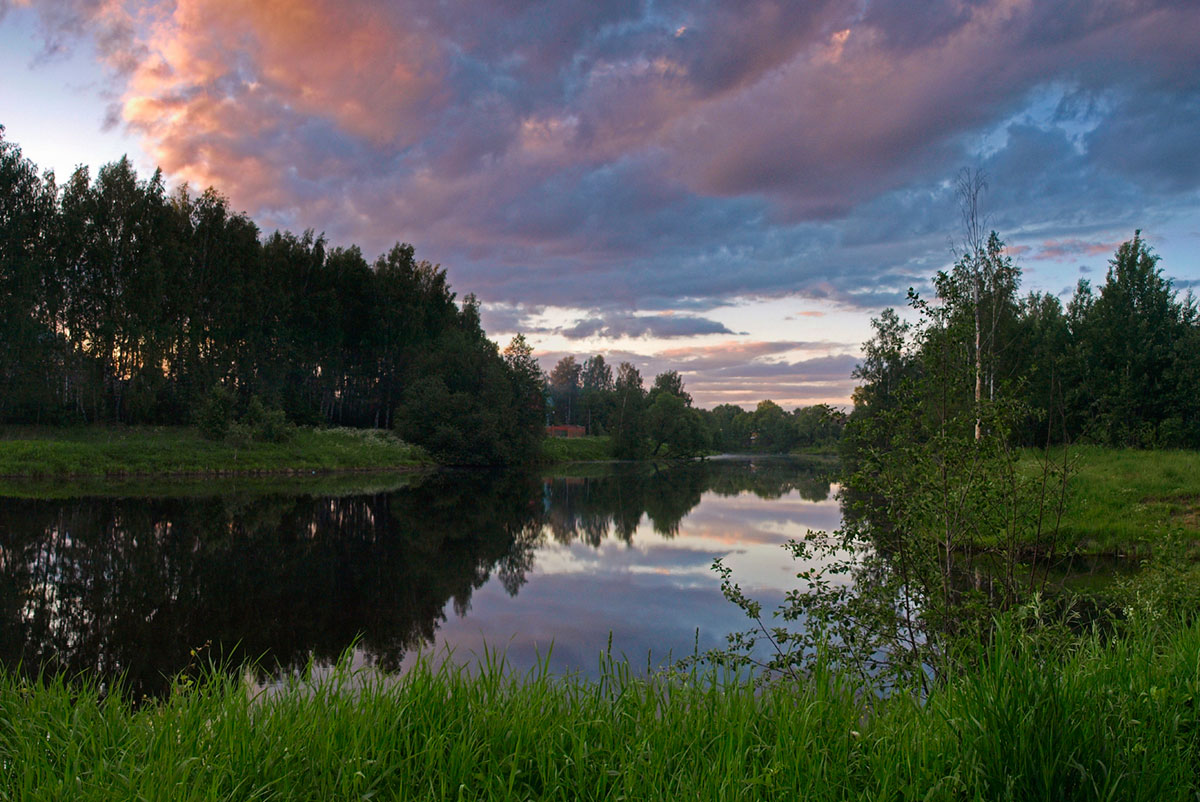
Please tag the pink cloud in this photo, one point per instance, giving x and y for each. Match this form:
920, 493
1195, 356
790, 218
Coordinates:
226, 88
1067, 250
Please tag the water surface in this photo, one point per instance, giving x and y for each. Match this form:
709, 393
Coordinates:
539, 566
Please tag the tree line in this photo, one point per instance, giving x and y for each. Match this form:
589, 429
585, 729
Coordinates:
123, 303
1118, 364
662, 421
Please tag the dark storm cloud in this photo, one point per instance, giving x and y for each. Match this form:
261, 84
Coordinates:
657, 155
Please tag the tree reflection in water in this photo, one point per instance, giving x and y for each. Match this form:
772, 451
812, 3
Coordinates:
130, 586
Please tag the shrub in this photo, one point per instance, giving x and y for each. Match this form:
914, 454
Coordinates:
215, 415
268, 425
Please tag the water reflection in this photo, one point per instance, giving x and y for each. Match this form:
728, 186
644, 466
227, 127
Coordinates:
132, 585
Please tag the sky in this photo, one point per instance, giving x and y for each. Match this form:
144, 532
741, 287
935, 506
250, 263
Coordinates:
729, 189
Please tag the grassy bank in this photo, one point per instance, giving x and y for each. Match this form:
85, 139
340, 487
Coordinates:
599, 449
1124, 499
179, 451
343, 483
1104, 721
576, 449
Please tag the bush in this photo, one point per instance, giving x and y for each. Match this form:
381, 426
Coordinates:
267, 425
239, 435
216, 413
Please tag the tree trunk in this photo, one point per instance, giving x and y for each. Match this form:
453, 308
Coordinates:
978, 365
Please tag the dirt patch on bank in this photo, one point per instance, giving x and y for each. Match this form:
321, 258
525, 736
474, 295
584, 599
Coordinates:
1183, 509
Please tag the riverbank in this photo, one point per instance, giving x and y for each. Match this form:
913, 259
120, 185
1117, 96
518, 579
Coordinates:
1096, 720
576, 449
1123, 501
599, 449
119, 451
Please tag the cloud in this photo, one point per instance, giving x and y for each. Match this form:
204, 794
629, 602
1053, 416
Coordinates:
1070, 249
667, 154
615, 325
1151, 138
510, 318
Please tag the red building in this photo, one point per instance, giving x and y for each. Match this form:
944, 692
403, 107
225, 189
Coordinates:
565, 430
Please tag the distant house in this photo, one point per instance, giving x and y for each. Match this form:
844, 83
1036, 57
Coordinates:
565, 430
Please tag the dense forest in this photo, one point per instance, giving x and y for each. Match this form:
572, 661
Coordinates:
1118, 365
121, 303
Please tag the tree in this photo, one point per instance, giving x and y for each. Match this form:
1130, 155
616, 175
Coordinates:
944, 522
731, 427
887, 362
627, 429
773, 428
674, 426
982, 287
114, 251
1132, 330
671, 382
671, 423
529, 389
818, 425
1042, 340
564, 389
890, 361
596, 395
471, 406
29, 287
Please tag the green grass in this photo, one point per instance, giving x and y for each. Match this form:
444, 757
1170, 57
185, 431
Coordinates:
1101, 721
576, 449
178, 451
1125, 500
823, 450
343, 483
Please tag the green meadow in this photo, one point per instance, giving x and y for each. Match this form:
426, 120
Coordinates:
1126, 500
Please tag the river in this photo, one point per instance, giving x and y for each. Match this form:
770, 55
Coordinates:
143, 582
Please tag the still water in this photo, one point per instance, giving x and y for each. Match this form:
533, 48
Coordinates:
542, 567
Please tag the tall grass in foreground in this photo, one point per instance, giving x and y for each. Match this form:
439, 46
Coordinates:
1113, 720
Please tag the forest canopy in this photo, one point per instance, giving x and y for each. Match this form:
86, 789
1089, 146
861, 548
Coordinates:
1118, 365
123, 303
